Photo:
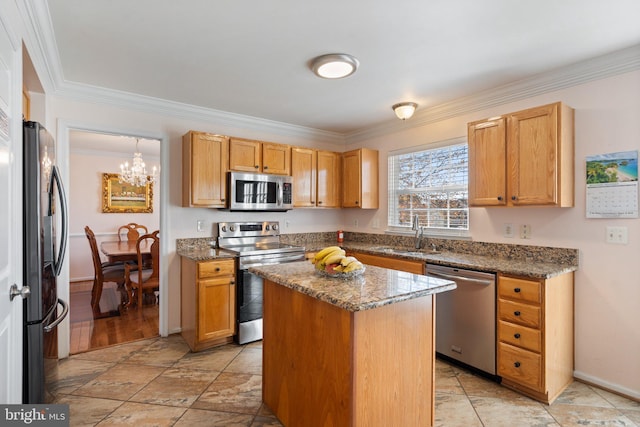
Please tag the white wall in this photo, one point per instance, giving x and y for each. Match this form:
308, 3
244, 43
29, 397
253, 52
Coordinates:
607, 284
85, 207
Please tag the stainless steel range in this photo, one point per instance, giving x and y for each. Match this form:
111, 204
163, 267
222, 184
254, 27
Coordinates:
256, 243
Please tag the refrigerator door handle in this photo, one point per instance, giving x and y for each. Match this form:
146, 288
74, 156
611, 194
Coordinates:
55, 177
65, 310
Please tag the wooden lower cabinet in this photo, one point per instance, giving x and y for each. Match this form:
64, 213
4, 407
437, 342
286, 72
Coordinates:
535, 335
416, 267
208, 296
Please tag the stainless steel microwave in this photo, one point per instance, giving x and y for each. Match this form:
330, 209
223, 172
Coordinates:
259, 192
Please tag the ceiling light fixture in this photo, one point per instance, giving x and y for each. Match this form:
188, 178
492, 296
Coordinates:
136, 174
404, 110
334, 65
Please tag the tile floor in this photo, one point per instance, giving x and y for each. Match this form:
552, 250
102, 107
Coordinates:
159, 382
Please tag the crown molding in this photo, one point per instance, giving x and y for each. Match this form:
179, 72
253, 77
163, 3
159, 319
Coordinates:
618, 62
40, 41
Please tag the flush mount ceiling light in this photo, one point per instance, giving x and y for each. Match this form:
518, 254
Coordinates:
334, 65
404, 110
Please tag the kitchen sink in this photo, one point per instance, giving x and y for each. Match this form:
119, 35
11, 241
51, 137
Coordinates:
402, 251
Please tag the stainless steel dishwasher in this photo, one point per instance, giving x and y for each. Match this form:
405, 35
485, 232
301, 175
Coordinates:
466, 318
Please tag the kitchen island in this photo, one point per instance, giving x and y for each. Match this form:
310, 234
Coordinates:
349, 352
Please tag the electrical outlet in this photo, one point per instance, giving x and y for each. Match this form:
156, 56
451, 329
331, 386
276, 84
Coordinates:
200, 225
287, 223
525, 231
617, 235
508, 230
356, 223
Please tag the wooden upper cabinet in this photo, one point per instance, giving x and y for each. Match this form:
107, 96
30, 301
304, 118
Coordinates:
328, 182
245, 155
304, 172
316, 178
204, 169
523, 159
360, 179
487, 163
256, 156
276, 158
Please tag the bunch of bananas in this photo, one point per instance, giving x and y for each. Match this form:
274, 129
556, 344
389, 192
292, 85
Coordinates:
333, 259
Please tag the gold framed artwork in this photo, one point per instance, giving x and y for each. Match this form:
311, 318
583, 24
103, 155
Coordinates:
120, 197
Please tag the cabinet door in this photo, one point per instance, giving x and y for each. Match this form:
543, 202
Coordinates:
245, 155
328, 179
204, 159
303, 171
533, 156
487, 160
276, 158
216, 308
351, 182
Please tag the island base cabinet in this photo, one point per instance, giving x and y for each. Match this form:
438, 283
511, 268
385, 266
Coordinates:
326, 366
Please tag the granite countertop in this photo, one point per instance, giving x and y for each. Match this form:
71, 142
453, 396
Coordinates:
204, 253
487, 263
374, 288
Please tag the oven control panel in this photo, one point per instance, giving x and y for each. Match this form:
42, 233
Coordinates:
248, 229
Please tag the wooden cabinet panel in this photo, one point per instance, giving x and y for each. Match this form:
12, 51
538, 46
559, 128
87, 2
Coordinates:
304, 173
204, 169
536, 334
245, 155
216, 318
520, 289
487, 163
520, 365
276, 158
329, 181
208, 295
529, 161
520, 336
360, 179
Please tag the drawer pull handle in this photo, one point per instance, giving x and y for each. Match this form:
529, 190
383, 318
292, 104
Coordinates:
517, 364
516, 336
217, 268
517, 313
500, 198
516, 290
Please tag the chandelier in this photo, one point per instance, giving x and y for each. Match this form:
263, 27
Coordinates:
136, 175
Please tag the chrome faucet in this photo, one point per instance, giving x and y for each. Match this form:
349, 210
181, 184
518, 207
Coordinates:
419, 231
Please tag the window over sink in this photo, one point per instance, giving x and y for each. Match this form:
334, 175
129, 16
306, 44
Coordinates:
430, 181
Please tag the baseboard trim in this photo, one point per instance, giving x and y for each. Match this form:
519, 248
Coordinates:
605, 385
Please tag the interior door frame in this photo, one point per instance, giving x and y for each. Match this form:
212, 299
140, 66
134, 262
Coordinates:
64, 128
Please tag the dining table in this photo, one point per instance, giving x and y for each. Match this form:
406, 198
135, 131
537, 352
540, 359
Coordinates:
122, 251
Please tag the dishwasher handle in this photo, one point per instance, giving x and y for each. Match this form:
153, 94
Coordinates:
462, 278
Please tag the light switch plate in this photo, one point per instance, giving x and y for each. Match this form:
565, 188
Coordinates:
617, 235
200, 225
508, 230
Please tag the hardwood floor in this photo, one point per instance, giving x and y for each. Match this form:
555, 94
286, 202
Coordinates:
127, 325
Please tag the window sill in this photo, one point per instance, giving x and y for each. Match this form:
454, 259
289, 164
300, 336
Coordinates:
436, 234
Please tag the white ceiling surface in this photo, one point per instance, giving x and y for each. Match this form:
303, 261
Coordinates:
252, 57
92, 142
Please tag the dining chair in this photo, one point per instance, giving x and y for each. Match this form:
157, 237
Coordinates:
132, 230
145, 279
103, 272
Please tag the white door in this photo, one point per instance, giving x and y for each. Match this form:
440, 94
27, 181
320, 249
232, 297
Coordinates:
10, 215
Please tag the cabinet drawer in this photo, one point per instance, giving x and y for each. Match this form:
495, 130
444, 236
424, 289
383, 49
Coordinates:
520, 336
522, 366
519, 289
522, 314
216, 268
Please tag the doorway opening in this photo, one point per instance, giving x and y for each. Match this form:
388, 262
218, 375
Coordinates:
94, 160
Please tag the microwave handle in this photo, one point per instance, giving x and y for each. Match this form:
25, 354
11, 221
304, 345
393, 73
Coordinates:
280, 190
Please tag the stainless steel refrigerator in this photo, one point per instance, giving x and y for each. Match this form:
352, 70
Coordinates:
44, 243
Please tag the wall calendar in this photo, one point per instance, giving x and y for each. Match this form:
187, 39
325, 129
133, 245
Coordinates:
612, 185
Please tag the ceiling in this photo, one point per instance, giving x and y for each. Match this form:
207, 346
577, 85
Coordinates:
252, 57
